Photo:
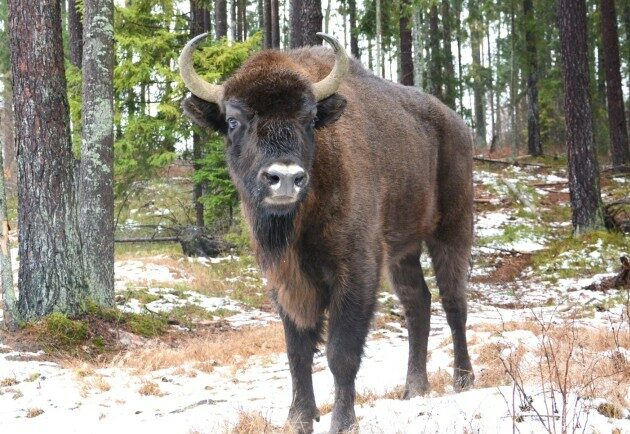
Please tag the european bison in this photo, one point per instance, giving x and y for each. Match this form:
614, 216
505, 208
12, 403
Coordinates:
343, 174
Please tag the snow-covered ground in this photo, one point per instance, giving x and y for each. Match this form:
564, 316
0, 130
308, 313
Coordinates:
505, 314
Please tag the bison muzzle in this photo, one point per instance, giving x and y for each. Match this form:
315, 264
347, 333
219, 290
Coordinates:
341, 175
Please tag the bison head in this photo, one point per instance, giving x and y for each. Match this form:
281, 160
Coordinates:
268, 112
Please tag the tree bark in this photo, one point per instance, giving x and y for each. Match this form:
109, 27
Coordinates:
267, 38
534, 144
7, 294
447, 57
476, 39
220, 13
435, 64
619, 150
96, 187
51, 269
75, 32
234, 20
458, 36
379, 39
406, 57
8, 139
275, 24
418, 64
354, 39
583, 168
493, 132
306, 21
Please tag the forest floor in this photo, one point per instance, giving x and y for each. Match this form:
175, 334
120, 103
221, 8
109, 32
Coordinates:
197, 347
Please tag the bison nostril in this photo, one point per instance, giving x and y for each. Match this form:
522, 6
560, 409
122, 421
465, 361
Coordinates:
299, 180
271, 179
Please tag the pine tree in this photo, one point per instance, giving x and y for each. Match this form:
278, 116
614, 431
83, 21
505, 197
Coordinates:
406, 57
51, 274
620, 151
583, 168
306, 22
75, 31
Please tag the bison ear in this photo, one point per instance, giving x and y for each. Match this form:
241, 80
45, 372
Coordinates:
205, 114
329, 110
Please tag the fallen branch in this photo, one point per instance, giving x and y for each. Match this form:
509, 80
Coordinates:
507, 163
521, 197
147, 240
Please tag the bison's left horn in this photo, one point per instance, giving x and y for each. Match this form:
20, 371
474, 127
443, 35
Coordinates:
329, 85
197, 85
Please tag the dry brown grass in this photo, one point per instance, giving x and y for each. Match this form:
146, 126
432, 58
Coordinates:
367, 397
150, 388
34, 412
233, 347
440, 381
256, 423
8, 381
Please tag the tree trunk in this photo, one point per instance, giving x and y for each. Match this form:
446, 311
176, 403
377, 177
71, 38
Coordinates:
96, 187
10, 163
476, 39
220, 13
406, 58
197, 28
7, 294
234, 21
418, 64
242, 11
583, 169
379, 38
75, 32
306, 21
447, 58
267, 40
275, 24
327, 16
534, 144
354, 39
51, 268
619, 150
493, 132
435, 64
513, 76
460, 74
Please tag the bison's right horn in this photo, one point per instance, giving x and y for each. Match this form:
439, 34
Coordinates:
329, 85
197, 85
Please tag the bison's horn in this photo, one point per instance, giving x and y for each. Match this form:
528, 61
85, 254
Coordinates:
329, 85
197, 85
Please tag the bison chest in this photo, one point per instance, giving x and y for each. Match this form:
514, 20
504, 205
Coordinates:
302, 285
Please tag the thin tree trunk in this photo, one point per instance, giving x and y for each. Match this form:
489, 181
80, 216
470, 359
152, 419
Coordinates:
447, 57
234, 20
220, 13
8, 301
583, 169
513, 125
499, 126
96, 189
435, 66
379, 39
406, 58
418, 64
275, 24
196, 28
242, 10
493, 132
75, 32
354, 39
327, 16
619, 150
10, 163
534, 144
476, 39
460, 74
370, 55
267, 40
51, 268
306, 21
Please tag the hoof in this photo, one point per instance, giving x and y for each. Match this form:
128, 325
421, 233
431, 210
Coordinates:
344, 423
463, 380
301, 421
413, 390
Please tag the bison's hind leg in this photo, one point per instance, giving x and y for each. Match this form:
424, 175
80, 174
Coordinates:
408, 282
451, 255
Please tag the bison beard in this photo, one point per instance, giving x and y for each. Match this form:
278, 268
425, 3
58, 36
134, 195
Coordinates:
387, 170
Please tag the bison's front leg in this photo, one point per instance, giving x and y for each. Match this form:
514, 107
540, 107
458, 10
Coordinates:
301, 345
348, 324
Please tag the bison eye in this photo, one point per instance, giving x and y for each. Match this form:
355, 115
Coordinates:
232, 123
